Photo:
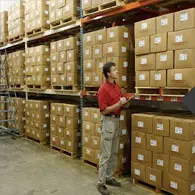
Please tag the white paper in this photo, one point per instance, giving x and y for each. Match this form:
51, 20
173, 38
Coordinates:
86, 113
142, 43
140, 124
177, 167
183, 17
97, 51
157, 40
164, 22
124, 131
95, 116
173, 185
178, 76
144, 60
175, 148
88, 126
137, 172
124, 78
153, 143
123, 49
179, 39
183, 57
163, 58
110, 49
144, 25
122, 117
125, 64
87, 52
121, 146
152, 177
160, 162
160, 127
138, 140
193, 149
126, 34
192, 187
100, 37
140, 157
157, 77
179, 130
111, 34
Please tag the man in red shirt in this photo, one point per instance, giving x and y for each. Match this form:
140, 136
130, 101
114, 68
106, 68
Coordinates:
111, 102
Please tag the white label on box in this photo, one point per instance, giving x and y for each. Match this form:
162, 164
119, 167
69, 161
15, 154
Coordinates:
87, 52
46, 69
179, 39
177, 167
67, 43
88, 151
59, 68
67, 8
100, 37
86, 113
124, 131
45, 125
140, 124
163, 58
137, 172
60, 130
193, 149
164, 22
153, 143
53, 69
175, 148
46, 115
101, 65
124, 160
95, 116
142, 43
157, 40
69, 122
62, 142
67, 109
67, 132
69, 144
142, 77
96, 78
87, 78
126, 34
87, 126
183, 17
69, 78
97, 51
122, 117
59, 108
144, 60
110, 49
179, 130
157, 77
70, 55
138, 140
144, 25
95, 142
173, 185
54, 139
60, 44
152, 177
192, 187
140, 157
124, 78
121, 146
160, 127
160, 162
53, 107
125, 64
88, 38
183, 56
111, 34
178, 76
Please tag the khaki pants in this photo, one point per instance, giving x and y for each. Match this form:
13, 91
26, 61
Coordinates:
109, 148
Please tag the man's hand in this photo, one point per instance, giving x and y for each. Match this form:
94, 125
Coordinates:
122, 101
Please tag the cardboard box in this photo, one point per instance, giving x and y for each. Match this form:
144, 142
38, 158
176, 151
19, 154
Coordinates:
142, 78
161, 162
142, 123
145, 28
98, 130
97, 156
62, 79
97, 51
182, 168
165, 23
62, 56
88, 128
89, 39
72, 79
57, 109
141, 156
154, 143
87, 4
87, 52
60, 68
154, 177
138, 171
164, 60
146, 62
60, 45
86, 114
95, 115
161, 126
54, 57
70, 9
53, 119
89, 154
89, 65
71, 67
116, 49
72, 135
86, 140
117, 34
185, 19
71, 43
181, 40
182, 128
60, 132
95, 143
185, 58
97, 79
72, 55
181, 78
142, 45
62, 121
180, 149
138, 139
158, 42
158, 78
54, 141
72, 147
87, 79
72, 123
122, 64
101, 36
55, 80
62, 143
71, 110
53, 47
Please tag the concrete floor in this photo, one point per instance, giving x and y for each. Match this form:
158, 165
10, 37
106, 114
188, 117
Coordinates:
30, 169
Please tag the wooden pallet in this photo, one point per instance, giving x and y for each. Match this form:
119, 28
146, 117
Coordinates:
64, 152
90, 164
37, 87
63, 22
147, 90
64, 88
175, 91
15, 39
35, 32
18, 86
91, 88
36, 141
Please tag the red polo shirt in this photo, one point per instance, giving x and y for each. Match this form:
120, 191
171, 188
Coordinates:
108, 95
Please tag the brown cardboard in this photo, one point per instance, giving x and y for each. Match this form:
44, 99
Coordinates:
62, 79
142, 45
122, 64
161, 162
95, 143
60, 45
145, 62
158, 42
164, 60
71, 123
182, 129
62, 56
185, 58
138, 171
97, 51
101, 36
95, 115
87, 79
97, 79
71, 110
154, 177
89, 154
142, 78
141, 156
55, 80
182, 168
54, 140
181, 39
53, 47
72, 55
86, 140
185, 19
57, 108
60, 132
60, 68
158, 78
89, 39
86, 114
54, 57
71, 67
72, 146
138, 139
71, 135
62, 121
72, 79
89, 65
87, 4
181, 78
142, 123
165, 23
87, 52
71, 43
161, 126
180, 149
88, 128
97, 131
145, 28
117, 34
154, 143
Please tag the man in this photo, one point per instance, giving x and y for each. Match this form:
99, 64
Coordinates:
110, 102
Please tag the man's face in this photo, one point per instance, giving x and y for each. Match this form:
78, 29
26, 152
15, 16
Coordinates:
113, 73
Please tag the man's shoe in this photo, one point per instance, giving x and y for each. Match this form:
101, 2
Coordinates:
103, 189
113, 182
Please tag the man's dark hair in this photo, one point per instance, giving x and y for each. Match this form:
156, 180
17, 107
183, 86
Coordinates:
107, 67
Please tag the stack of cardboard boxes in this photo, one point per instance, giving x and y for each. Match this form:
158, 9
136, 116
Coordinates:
37, 114
4, 27
3, 115
92, 138
164, 50
64, 57
16, 68
107, 45
163, 151
65, 132
36, 15
63, 10
16, 21
37, 66
2, 80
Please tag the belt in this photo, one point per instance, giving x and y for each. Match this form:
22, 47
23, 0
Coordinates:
113, 115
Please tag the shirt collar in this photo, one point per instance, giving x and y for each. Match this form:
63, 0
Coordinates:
114, 84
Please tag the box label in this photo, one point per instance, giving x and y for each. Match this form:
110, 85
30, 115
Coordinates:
88, 65
179, 39
193, 150
142, 77
178, 76
121, 146
144, 25
157, 40
125, 64
137, 172
160, 127
153, 143
163, 58
183, 17
179, 130
175, 148
160, 162
177, 167
152, 177
126, 34
100, 37
138, 140
183, 57
144, 60
192, 187
164, 22
140, 157
123, 49
124, 131
111, 34
140, 124
173, 185
124, 78
142, 43
97, 51
110, 49
122, 118
157, 77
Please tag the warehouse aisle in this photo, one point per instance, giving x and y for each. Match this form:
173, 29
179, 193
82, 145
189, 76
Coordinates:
30, 169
